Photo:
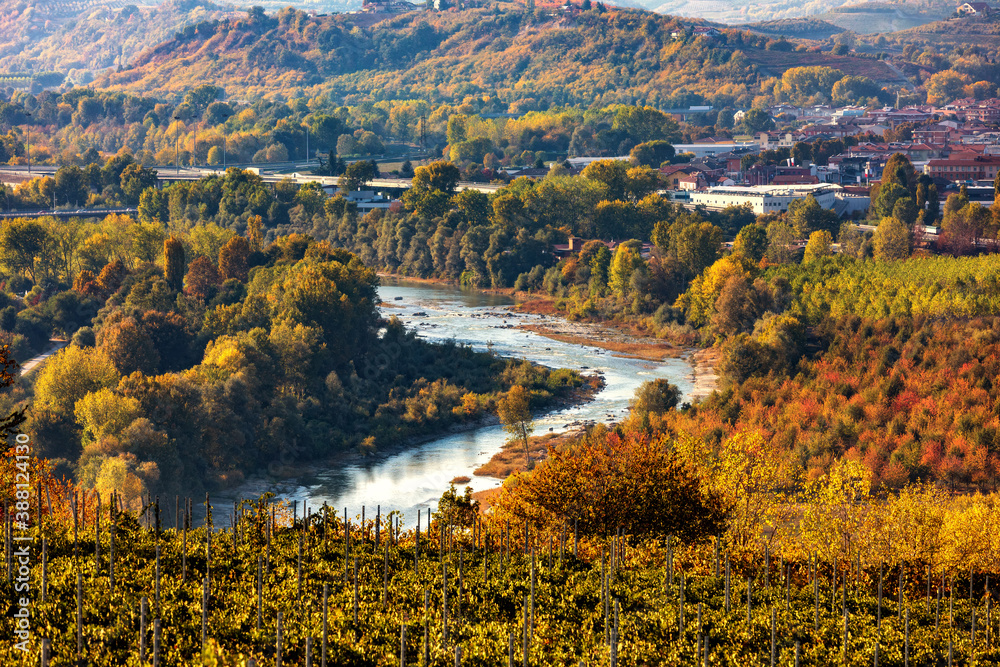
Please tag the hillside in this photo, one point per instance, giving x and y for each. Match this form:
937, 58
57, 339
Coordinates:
593, 58
81, 39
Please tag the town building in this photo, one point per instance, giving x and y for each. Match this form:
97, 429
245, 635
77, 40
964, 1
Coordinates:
764, 199
964, 168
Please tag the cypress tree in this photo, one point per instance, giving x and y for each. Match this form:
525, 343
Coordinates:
173, 263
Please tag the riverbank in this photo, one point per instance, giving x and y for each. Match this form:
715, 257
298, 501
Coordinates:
283, 479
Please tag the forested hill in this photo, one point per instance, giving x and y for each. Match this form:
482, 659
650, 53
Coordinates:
596, 57
79, 38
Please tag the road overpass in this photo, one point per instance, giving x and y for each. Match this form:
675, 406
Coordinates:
273, 173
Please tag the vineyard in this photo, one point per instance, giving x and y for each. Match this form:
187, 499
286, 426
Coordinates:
282, 584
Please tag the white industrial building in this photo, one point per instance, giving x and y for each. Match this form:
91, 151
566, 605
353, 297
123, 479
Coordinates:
765, 198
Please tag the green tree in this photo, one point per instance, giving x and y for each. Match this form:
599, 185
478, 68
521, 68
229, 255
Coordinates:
899, 170
154, 206
71, 186
325, 130
655, 396
697, 246
757, 120
906, 210
780, 236
23, 246
173, 263
514, 411
357, 175
645, 124
134, 180
751, 243
613, 173
651, 153
807, 216
885, 201
475, 205
600, 266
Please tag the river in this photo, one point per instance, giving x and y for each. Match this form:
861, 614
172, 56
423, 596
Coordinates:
414, 479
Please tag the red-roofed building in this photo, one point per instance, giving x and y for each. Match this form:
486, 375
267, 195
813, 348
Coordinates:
980, 167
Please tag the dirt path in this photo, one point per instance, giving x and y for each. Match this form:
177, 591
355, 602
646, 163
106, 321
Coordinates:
35, 362
703, 373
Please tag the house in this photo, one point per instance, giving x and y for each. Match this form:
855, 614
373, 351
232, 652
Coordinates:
566, 249
973, 9
672, 175
695, 181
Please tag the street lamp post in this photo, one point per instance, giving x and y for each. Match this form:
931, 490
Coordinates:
177, 144
27, 129
224, 142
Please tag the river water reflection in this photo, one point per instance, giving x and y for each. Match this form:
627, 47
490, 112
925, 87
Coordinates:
414, 479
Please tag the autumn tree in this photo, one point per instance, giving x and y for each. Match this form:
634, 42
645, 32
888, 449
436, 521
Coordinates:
173, 263
129, 347
818, 246
610, 481
234, 259
514, 411
255, 233
627, 260
751, 243
202, 278
433, 186
892, 240
69, 375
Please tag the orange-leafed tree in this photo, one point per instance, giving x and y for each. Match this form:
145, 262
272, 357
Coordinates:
234, 259
608, 481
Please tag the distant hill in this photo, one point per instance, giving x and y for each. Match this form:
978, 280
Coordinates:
981, 31
880, 17
620, 56
904, 14
84, 37
799, 28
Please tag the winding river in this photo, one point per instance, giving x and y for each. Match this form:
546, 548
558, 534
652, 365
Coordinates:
414, 479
